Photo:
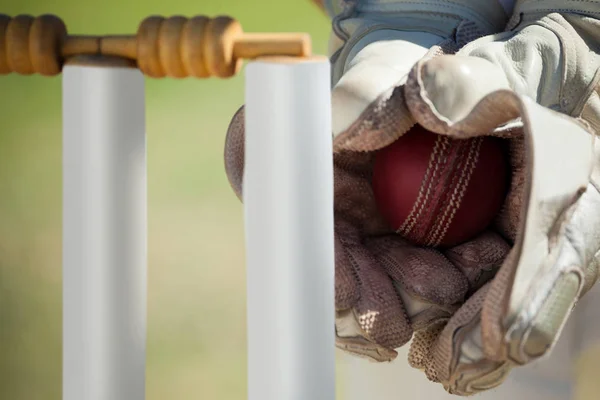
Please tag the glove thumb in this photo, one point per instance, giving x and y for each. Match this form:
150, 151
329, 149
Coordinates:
446, 93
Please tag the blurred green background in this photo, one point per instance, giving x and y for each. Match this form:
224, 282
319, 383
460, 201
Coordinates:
196, 283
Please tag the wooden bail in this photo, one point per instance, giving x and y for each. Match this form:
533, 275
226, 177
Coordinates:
176, 47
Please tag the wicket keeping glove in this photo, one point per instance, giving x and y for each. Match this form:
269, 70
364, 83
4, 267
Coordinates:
468, 332
386, 288
537, 84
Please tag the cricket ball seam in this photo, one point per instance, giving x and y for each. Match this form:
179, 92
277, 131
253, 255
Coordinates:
444, 196
435, 191
438, 154
448, 179
411, 219
458, 194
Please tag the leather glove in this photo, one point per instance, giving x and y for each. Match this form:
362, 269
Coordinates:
387, 289
537, 84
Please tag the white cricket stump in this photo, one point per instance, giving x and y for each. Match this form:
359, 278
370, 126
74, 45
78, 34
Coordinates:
104, 233
288, 200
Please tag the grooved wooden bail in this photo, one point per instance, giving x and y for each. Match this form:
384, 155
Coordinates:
180, 47
4, 67
31, 45
176, 47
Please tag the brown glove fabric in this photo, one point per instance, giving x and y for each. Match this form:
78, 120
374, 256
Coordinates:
476, 310
387, 288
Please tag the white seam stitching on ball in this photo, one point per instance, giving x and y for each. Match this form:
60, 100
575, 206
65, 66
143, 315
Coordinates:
441, 145
433, 239
471, 164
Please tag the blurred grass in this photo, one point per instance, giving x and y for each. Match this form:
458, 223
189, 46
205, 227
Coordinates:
196, 333
587, 368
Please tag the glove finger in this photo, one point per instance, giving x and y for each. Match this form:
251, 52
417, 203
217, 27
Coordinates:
355, 206
457, 359
480, 258
349, 334
448, 94
422, 343
534, 291
369, 108
447, 348
509, 219
530, 59
452, 94
234, 152
379, 314
429, 285
346, 284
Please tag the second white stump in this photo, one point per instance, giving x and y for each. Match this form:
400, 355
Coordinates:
288, 199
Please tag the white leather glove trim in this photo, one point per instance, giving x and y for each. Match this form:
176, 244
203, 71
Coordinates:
379, 62
561, 153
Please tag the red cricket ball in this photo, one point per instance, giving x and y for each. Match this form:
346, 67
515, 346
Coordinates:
437, 191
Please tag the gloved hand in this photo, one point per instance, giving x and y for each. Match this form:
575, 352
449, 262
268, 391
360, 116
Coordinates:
386, 289
538, 86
